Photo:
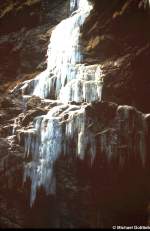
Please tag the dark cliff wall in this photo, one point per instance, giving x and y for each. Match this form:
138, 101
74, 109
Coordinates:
116, 35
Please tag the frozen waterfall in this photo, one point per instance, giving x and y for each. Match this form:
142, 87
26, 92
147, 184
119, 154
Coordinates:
65, 80
63, 115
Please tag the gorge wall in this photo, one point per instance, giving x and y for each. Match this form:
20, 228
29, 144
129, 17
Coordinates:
108, 184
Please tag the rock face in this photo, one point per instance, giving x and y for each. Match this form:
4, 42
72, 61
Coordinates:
116, 35
102, 173
11, 165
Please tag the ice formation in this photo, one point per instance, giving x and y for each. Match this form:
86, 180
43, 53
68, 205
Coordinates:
64, 129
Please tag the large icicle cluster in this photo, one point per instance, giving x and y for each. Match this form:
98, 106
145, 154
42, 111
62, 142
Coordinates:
64, 130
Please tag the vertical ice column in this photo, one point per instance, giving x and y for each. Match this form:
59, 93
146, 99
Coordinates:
74, 4
44, 145
63, 52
